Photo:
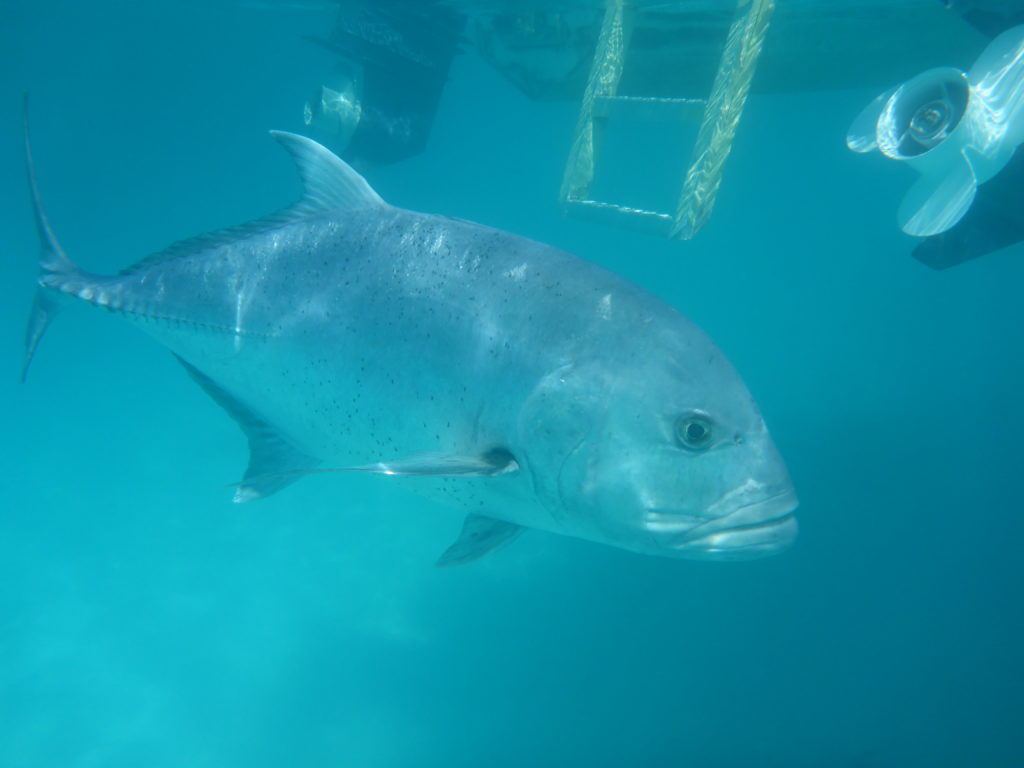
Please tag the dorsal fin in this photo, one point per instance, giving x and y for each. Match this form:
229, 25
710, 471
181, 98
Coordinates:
330, 184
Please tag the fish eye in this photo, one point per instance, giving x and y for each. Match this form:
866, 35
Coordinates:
694, 431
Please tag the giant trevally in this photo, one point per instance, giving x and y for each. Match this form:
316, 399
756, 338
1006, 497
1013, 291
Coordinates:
525, 385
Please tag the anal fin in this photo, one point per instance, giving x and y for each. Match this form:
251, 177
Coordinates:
273, 461
480, 536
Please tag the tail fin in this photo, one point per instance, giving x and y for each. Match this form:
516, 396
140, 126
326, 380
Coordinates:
53, 262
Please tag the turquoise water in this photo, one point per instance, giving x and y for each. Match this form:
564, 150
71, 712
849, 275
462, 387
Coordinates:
147, 621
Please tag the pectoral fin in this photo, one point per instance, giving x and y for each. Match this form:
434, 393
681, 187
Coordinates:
480, 536
490, 464
273, 462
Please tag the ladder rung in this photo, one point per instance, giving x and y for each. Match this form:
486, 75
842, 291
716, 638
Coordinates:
651, 222
654, 109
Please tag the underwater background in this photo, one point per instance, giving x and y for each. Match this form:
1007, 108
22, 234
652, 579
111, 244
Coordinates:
147, 621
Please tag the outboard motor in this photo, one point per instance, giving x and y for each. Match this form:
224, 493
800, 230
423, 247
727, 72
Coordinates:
956, 129
393, 60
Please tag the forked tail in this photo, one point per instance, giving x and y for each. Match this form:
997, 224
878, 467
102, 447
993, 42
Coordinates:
56, 270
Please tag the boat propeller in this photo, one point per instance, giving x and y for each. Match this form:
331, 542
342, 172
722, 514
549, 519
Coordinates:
957, 129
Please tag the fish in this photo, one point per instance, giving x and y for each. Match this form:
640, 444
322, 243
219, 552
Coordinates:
510, 379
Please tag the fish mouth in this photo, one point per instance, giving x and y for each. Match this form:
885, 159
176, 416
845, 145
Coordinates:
757, 529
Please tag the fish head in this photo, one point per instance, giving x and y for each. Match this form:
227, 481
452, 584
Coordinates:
663, 451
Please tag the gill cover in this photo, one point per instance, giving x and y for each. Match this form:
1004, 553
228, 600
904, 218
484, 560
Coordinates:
956, 129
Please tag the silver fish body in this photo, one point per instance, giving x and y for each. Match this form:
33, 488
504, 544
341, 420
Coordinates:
530, 387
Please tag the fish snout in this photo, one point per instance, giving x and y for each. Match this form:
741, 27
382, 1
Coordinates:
754, 528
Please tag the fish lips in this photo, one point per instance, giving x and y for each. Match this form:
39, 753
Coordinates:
754, 530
